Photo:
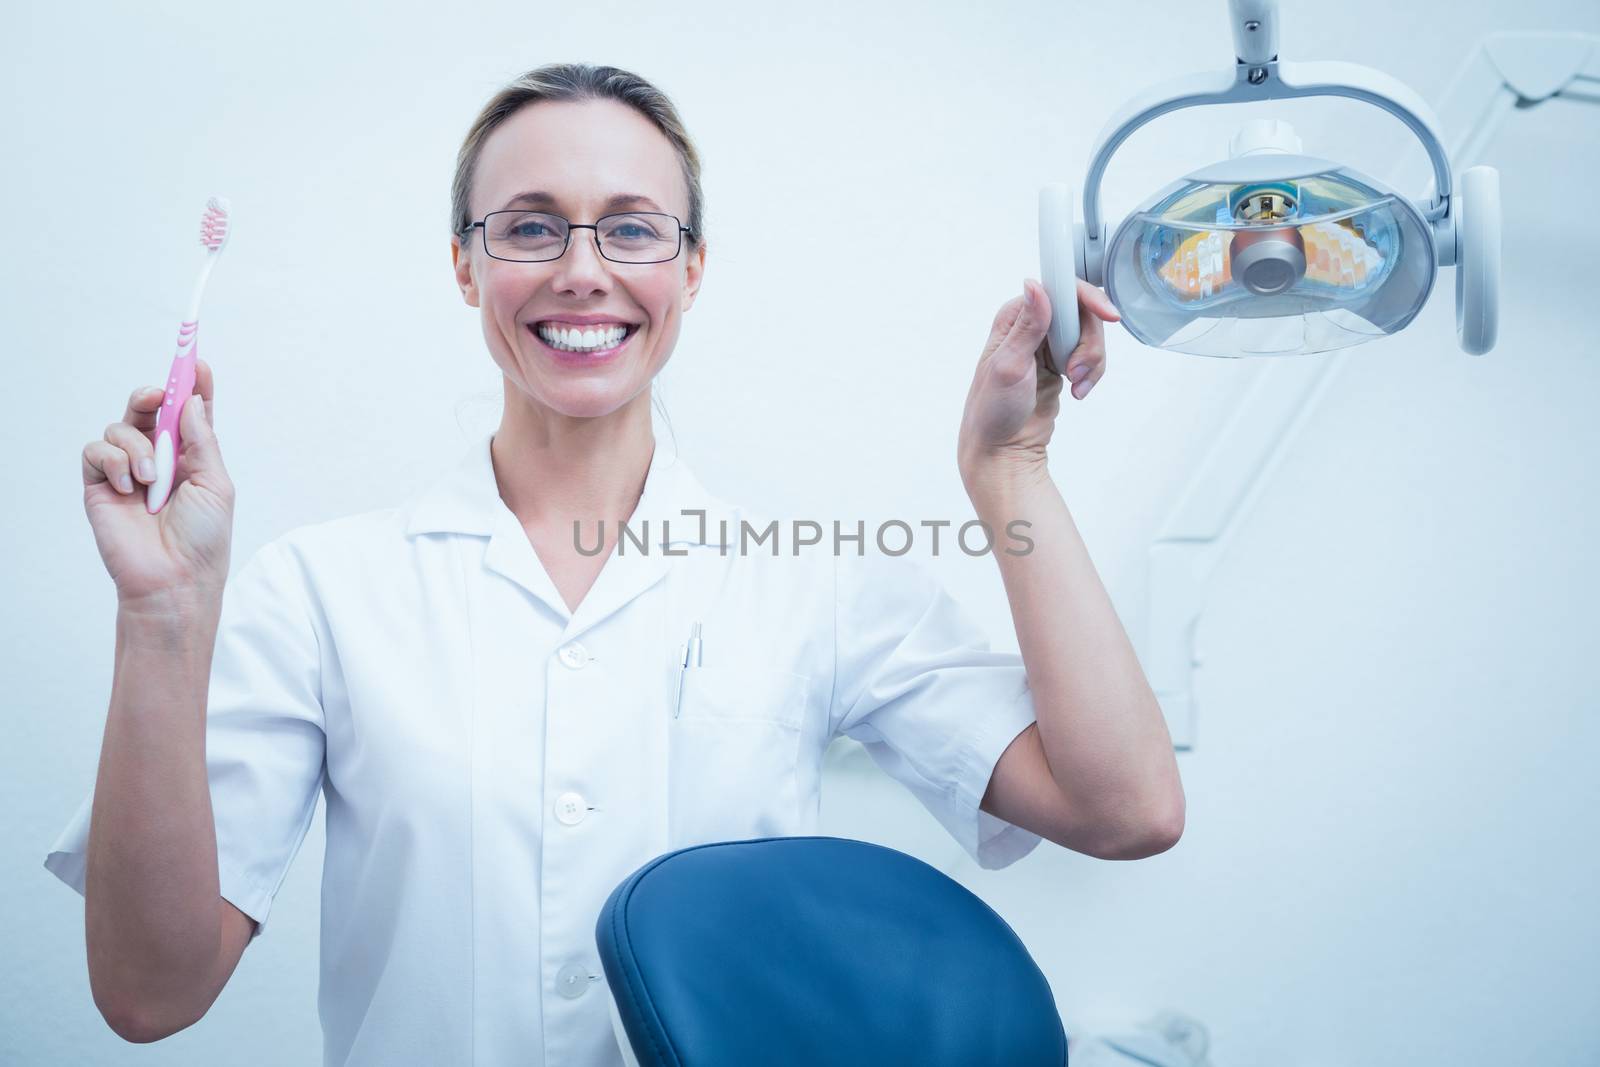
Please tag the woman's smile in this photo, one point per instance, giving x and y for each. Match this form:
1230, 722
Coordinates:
586, 358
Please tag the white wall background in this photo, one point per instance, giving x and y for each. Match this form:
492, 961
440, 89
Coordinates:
1390, 853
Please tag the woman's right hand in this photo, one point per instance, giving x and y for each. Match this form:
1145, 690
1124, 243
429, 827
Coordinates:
182, 549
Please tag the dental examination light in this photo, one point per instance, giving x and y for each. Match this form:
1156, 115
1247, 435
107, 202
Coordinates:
1272, 251
1506, 75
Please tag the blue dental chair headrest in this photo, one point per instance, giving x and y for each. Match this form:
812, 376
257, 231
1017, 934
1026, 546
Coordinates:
785, 951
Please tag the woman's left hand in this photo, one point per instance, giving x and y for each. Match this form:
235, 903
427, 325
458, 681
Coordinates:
1015, 395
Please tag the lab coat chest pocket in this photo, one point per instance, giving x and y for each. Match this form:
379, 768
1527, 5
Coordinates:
733, 751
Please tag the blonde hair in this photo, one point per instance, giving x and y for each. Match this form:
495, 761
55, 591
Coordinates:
577, 81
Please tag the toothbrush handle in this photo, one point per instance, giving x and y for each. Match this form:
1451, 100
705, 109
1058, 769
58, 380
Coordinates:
180, 386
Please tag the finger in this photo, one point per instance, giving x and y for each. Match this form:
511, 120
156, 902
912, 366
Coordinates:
1029, 324
1011, 363
1091, 333
1084, 361
1087, 362
1039, 315
1091, 347
136, 446
1092, 339
105, 462
1017, 354
143, 406
1004, 319
199, 438
1096, 372
1095, 300
205, 385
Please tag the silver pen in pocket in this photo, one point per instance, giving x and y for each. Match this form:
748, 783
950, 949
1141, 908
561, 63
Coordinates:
691, 654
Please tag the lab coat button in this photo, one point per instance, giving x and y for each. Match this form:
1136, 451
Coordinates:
570, 808
572, 981
574, 655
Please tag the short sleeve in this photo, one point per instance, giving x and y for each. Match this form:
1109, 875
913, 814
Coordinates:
917, 684
265, 740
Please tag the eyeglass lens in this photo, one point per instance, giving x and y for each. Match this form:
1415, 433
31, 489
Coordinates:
534, 236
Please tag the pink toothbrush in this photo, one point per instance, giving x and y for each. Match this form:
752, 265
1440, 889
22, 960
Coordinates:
180, 379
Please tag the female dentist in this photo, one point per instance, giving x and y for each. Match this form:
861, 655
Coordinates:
498, 713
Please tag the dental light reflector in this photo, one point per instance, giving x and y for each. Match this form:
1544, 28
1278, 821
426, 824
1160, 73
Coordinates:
1270, 254
1273, 252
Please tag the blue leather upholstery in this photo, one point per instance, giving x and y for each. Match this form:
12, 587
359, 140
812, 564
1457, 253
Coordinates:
783, 951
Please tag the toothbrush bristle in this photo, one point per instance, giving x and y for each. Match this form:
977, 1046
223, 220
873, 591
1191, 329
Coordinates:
214, 223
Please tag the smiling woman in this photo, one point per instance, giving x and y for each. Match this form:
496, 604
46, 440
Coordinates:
501, 720
576, 230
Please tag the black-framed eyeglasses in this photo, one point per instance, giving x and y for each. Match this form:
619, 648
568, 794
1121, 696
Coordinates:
538, 236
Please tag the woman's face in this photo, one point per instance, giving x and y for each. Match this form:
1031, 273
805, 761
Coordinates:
583, 154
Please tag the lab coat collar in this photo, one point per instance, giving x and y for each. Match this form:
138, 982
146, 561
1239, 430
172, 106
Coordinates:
467, 501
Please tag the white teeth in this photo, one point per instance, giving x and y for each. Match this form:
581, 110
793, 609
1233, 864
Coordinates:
582, 340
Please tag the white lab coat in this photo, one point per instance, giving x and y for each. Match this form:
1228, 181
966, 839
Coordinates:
493, 764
